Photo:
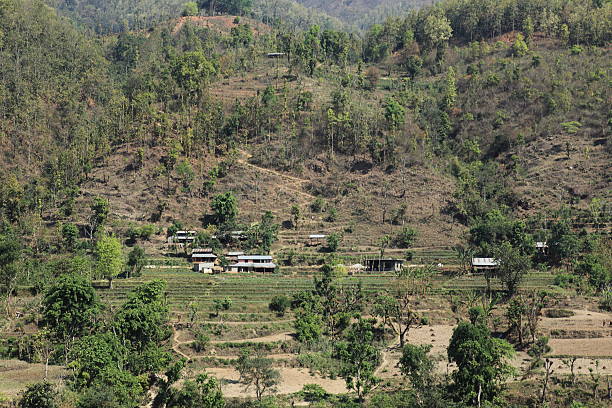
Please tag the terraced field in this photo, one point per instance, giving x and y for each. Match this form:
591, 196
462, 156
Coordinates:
251, 293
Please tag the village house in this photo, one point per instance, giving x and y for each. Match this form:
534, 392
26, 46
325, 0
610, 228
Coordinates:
232, 256
182, 237
316, 239
482, 264
383, 265
203, 260
253, 263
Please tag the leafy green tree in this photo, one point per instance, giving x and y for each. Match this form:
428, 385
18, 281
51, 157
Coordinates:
256, 371
109, 258
263, 234
413, 66
512, 265
100, 209
333, 241
190, 9
168, 162
592, 267
406, 237
39, 395
69, 308
94, 354
192, 71
437, 30
204, 392
394, 113
359, 357
418, 367
519, 47
482, 366
308, 326
221, 305
516, 315
70, 233
279, 304
142, 321
225, 208
296, 214
136, 261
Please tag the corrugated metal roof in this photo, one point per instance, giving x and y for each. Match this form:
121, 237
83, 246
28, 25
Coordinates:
315, 236
203, 256
542, 244
237, 253
484, 262
254, 257
253, 265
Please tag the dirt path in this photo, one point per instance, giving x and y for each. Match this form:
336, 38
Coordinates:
176, 344
296, 181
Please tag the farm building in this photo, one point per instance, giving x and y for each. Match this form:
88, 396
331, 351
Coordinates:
203, 260
383, 265
232, 256
481, 264
182, 237
253, 263
275, 54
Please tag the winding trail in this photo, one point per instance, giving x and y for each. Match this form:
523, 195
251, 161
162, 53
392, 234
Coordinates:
295, 180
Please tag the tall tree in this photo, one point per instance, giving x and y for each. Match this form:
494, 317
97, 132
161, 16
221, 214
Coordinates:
482, 366
109, 256
359, 356
256, 371
69, 308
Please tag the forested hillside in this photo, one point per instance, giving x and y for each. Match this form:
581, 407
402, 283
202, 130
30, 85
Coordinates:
468, 128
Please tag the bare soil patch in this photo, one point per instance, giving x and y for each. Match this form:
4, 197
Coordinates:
292, 380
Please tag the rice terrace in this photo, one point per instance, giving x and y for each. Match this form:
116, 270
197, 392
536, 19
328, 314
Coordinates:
282, 203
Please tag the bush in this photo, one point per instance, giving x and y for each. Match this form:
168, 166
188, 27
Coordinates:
605, 302
406, 237
557, 313
279, 304
332, 216
317, 205
314, 393
564, 280
190, 9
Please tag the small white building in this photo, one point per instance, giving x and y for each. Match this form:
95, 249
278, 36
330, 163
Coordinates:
479, 264
316, 239
203, 261
182, 237
253, 263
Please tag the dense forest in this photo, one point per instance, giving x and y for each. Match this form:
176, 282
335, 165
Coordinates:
481, 125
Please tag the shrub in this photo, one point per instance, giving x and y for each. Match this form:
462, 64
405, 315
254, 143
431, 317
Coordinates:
314, 393
406, 237
317, 205
190, 9
605, 302
279, 304
332, 215
564, 280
